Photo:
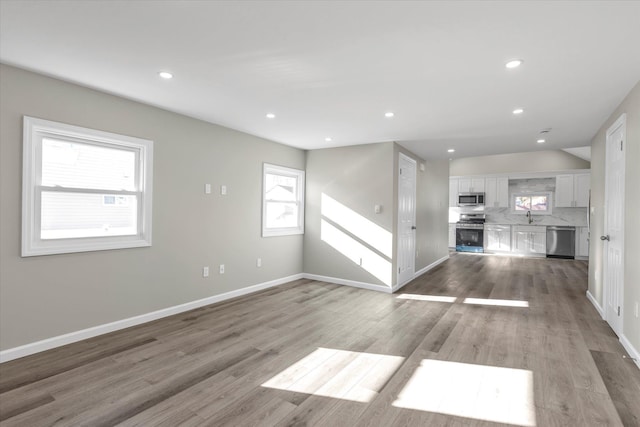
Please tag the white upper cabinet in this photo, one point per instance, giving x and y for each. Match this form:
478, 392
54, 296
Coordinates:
471, 185
572, 191
564, 191
497, 192
581, 189
453, 192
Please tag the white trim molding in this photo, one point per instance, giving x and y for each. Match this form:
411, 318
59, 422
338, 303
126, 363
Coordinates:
593, 300
347, 282
60, 340
635, 354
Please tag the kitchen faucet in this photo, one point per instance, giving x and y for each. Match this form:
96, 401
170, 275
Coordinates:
530, 217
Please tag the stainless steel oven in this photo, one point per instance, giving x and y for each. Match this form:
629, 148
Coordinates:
470, 233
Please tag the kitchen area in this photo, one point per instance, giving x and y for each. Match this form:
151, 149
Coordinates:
543, 214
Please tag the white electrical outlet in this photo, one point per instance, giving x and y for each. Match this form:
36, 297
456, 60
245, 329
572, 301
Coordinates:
221, 268
259, 262
223, 190
207, 189
205, 271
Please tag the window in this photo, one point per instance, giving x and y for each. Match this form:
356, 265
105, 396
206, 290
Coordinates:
83, 189
537, 203
282, 201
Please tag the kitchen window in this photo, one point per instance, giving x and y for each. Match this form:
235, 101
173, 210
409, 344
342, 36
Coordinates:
536, 203
83, 189
282, 201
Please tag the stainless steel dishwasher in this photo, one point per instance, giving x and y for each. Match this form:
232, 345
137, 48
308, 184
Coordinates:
561, 242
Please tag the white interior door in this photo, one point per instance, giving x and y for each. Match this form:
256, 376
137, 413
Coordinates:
613, 238
406, 219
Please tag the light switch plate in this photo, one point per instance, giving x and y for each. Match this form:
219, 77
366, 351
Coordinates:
223, 190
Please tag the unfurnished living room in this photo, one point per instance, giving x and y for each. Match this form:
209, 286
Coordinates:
321, 213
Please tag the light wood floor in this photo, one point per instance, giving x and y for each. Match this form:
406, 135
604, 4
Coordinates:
313, 353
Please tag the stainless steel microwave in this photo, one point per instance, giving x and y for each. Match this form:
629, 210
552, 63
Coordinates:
471, 199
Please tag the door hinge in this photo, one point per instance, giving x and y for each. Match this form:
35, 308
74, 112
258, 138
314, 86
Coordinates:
400, 171
618, 310
398, 270
621, 141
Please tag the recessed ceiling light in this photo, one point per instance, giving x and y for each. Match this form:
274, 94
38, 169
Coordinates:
270, 116
518, 111
514, 63
389, 114
541, 141
165, 75
451, 150
328, 139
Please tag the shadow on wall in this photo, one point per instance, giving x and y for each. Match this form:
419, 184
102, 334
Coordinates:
362, 241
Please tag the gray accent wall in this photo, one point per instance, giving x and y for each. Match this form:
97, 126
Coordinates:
46, 296
358, 178
631, 106
537, 161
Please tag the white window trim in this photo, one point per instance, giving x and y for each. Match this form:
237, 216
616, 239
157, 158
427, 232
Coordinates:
285, 171
550, 199
34, 131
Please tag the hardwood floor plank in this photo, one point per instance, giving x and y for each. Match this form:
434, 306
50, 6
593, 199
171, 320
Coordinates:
19, 406
315, 353
23, 377
620, 378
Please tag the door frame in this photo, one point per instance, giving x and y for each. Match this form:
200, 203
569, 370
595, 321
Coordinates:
621, 122
402, 157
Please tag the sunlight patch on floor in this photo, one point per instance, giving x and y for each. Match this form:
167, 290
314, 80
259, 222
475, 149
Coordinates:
498, 302
339, 374
434, 298
479, 392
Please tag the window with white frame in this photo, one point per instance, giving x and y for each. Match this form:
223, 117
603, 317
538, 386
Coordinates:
83, 189
536, 203
282, 201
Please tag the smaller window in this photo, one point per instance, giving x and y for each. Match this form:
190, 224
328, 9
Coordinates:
282, 201
537, 203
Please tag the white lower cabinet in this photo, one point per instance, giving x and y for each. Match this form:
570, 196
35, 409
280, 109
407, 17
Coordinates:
452, 235
497, 238
582, 242
529, 240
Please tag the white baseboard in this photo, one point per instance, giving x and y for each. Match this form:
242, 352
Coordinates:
593, 300
354, 283
630, 349
422, 271
60, 340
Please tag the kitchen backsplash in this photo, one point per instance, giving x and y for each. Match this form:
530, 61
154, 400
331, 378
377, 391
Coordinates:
533, 185
560, 216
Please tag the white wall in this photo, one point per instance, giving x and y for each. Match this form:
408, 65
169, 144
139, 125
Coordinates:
631, 106
432, 212
537, 161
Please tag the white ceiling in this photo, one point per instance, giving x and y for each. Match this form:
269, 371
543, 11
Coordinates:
334, 68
